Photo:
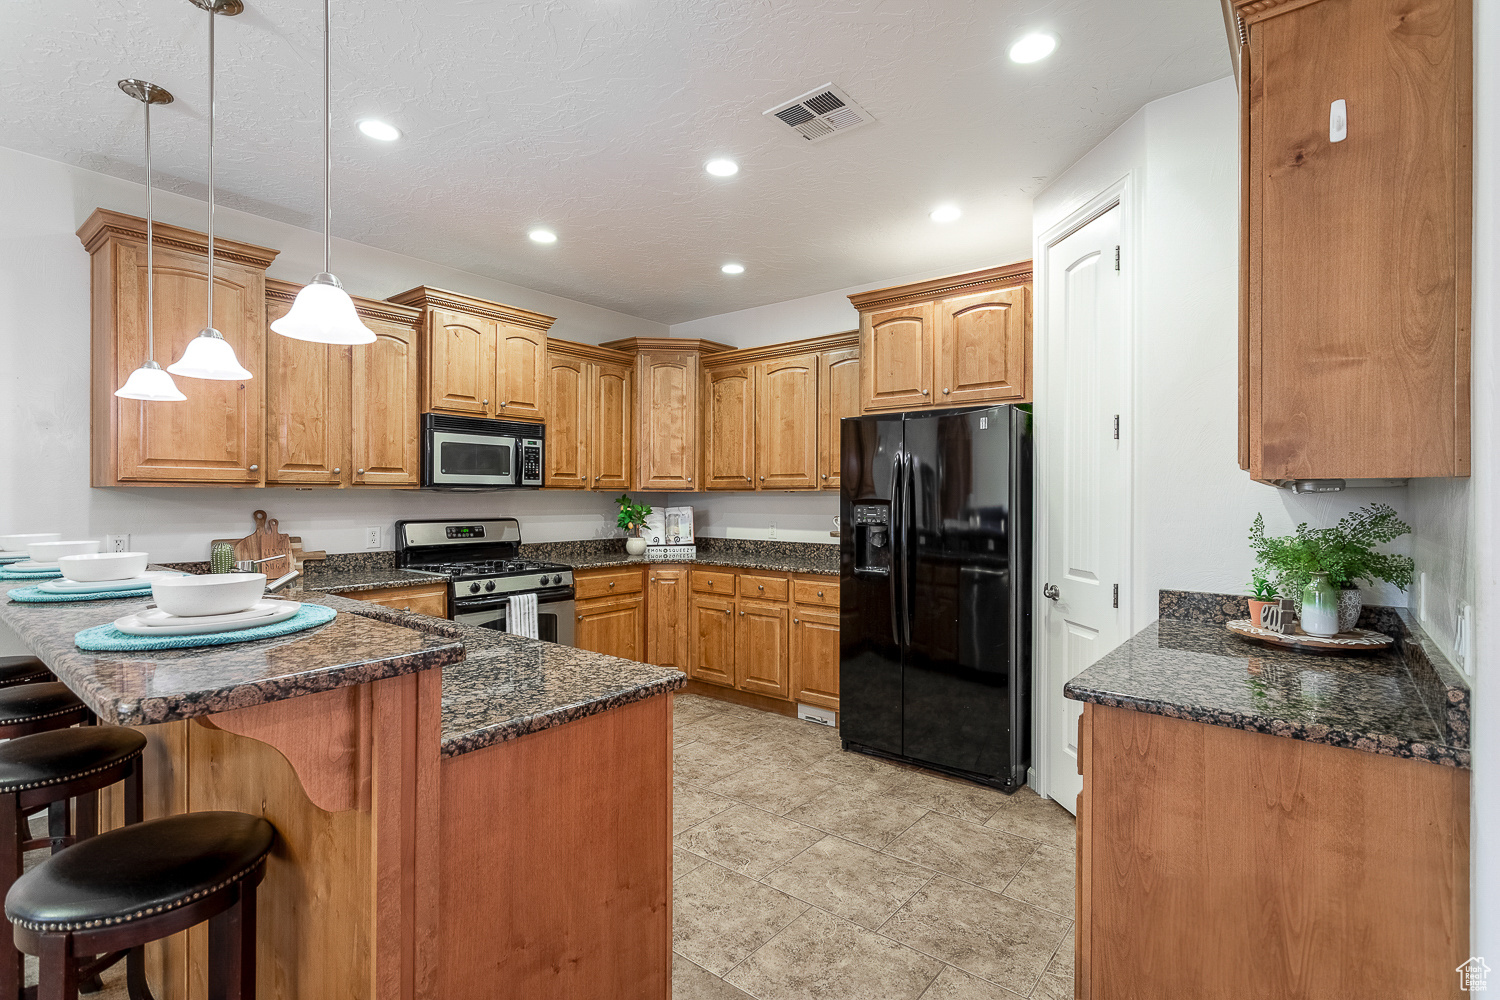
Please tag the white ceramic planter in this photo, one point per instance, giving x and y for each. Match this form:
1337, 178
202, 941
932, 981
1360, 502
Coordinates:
635, 546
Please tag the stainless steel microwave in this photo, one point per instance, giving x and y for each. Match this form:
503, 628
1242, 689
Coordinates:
467, 453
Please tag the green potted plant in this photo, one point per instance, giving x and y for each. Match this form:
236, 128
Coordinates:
1262, 593
1320, 567
632, 521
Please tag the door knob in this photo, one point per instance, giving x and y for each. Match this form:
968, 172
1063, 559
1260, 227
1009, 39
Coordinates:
1050, 591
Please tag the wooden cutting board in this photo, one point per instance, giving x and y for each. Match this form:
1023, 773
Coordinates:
266, 540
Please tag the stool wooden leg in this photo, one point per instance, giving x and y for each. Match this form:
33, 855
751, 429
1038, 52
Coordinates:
57, 824
85, 816
231, 950
135, 793
12, 964
135, 975
57, 969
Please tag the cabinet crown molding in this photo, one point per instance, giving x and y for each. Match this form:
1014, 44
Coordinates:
588, 352
1251, 11
286, 291
770, 352
637, 345
1018, 273
427, 297
104, 225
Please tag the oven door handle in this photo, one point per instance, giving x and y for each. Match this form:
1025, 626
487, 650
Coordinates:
470, 604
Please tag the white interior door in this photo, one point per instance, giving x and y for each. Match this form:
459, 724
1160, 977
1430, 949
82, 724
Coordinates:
1084, 485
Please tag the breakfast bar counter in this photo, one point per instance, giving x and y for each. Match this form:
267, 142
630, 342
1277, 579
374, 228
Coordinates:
461, 812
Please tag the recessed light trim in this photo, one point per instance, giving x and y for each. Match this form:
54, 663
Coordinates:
376, 129
722, 167
1033, 47
733, 268
542, 236
946, 213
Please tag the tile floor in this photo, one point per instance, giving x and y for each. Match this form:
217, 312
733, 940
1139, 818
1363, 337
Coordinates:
802, 871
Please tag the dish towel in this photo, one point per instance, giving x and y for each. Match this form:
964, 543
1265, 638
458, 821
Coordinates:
520, 619
107, 638
36, 595
6, 573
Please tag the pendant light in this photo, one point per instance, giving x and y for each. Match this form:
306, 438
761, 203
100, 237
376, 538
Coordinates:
149, 382
322, 312
209, 355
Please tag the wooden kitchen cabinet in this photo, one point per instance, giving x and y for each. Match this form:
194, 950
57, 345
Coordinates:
667, 616
1355, 254
217, 435
343, 415
760, 660
838, 397
479, 358
667, 371
590, 417
421, 599
616, 626
814, 656
963, 340
786, 442
1214, 862
711, 639
729, 428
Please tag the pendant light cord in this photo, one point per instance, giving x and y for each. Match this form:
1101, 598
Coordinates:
212, 14
327, 140
150, 271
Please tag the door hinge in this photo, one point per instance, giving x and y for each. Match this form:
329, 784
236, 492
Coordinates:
1117, 595
1117, 258
1117, 427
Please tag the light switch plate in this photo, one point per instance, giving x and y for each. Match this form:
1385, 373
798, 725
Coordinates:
372, 538
1338, 121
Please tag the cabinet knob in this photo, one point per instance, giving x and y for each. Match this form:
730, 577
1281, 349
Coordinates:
710, 583
580, 617
796, 620
504, 405
742, 614
820, 593
825, 475
945, 392
924, 392
254, 468
486, 402
337, 471
690, 478
360, 471
762, 478
407, 608
611, 583
760, 586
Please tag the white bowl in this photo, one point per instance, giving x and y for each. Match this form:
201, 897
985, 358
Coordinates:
18, 543
208, 594
98, 567
50, 552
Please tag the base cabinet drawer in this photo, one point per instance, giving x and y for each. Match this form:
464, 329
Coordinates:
719, 582
423, 600
819, 592
591, 584
760, 587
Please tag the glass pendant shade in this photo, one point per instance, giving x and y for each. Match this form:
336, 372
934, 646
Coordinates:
209, 356
324, 314
151, 383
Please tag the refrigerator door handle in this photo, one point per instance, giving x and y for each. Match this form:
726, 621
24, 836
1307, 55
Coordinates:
908, 543
898, 564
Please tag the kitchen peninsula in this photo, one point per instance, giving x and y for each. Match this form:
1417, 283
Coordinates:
460, 811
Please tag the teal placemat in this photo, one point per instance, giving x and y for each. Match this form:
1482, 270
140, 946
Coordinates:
36, 595
108, 639
13, 559
29, 574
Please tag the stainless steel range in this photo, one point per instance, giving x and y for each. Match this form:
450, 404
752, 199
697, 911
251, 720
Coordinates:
481, 557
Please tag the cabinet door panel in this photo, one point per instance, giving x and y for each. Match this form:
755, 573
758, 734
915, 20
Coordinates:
786, 418
387, 418
307, 408
668, 384
711, 641
729, 429
522, 373
815, 658
896, 356
667, 617
838, 397
461, 364
567, 422
982, 343
614, 627
761, 654
218, 433
613, 426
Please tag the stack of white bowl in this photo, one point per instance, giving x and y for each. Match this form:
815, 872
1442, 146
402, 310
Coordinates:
214, 602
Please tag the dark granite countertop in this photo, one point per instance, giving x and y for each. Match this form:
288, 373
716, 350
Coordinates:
508, 686
345, 581
1390, 703
739, 553
133, 689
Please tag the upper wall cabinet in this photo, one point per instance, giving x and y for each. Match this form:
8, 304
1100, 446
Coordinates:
959, 341
590, 418
1355, 270
216, 435
338, 415
666, 378
838, 397
480, 359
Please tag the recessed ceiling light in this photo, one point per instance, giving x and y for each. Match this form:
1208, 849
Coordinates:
945, 213
379, 130
1033, 48
722, 167
733, 268
543, 236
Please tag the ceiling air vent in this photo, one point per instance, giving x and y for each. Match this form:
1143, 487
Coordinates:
820, 113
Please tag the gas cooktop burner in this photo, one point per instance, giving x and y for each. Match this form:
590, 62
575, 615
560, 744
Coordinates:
471, 568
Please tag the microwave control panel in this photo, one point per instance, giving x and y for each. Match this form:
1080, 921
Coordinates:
531, 462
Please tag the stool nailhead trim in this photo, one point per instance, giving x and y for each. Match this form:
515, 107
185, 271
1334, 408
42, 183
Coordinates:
48, 927
9, 789
49, 715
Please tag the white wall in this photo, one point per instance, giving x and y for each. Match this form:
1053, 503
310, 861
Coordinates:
1192, 503
44, 381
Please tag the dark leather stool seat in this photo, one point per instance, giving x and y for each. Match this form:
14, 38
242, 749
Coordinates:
65, 755
23, 670
111, 894
36, 708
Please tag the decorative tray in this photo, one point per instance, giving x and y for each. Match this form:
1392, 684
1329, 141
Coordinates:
1358, 641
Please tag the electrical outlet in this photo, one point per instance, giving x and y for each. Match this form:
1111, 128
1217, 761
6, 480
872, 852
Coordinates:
1422, 597
116, 543
773, 531
1463, 639
372, 538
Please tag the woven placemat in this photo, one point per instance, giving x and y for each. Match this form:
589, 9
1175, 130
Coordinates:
108, 639
7, 573
36, 595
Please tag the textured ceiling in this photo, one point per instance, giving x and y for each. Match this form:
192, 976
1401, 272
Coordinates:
594, 117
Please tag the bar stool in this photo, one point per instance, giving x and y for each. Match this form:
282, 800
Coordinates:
36, 708
23, 670
112, 894
48, 769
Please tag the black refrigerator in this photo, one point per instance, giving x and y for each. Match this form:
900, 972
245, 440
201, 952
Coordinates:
935, 630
